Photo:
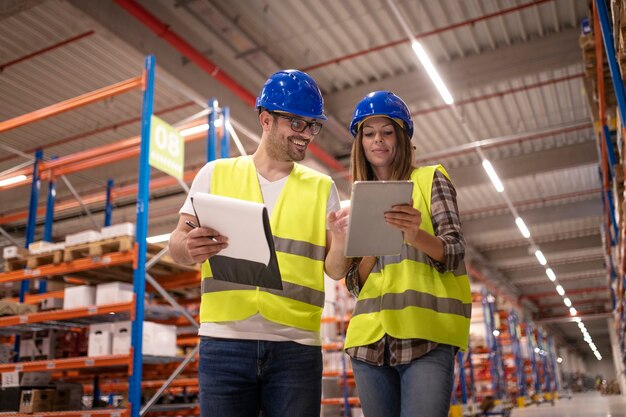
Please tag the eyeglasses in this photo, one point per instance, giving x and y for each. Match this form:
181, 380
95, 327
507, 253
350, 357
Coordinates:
298, 125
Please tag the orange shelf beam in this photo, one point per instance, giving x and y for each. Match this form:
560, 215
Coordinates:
73, 313
155, 384
68, 364
83, 264
37, 298
341, 401
72, 103
91, 158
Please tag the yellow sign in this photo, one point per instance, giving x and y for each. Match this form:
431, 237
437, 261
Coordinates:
167, 148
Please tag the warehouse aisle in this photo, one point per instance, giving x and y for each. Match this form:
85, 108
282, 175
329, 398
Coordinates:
581, 405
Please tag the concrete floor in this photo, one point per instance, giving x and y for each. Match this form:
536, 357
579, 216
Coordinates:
590, 404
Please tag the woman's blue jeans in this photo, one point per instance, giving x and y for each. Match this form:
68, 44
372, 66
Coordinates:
241, 378
419, 389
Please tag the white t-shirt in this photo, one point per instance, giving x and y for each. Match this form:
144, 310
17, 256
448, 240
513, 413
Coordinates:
255, 327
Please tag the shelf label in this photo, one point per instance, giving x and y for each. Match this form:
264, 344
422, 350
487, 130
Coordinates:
116, 414
23, 319
19, 368
36, 272
167, 148
106, 260
89, 362
92, 310
50, 365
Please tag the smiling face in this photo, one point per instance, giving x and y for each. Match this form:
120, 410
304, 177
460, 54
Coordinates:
284, 144
380, 145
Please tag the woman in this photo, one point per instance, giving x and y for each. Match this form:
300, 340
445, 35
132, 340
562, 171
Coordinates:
413, 310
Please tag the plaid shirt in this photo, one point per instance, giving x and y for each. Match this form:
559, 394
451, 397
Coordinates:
447, 226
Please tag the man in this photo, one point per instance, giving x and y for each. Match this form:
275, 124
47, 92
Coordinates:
260, 349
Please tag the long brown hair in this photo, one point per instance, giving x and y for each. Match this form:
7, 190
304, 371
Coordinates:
401, 166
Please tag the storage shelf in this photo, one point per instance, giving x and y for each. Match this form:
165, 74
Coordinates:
84, 362
83, 264
81, 317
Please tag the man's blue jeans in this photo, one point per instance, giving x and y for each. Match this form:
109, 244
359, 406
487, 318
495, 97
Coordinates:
239, 378
419, 389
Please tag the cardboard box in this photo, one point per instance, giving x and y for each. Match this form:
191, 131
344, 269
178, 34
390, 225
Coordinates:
67, 397
35, 379
10, 379
36, 400
37, 347
41, 246
114, 292
51, 303
86, 236
79, 296
100, 339
122, 331
117, 230
10, 399
11, 252
158, 339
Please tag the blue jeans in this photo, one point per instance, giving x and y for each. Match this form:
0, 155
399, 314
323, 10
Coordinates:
241, 378
421, 388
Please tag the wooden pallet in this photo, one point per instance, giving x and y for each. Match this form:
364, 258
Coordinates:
14, 264
91, 249
34, 261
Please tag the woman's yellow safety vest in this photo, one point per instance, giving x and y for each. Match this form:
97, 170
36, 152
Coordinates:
407, 298
298, 223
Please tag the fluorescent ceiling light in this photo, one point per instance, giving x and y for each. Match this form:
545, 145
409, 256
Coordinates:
567, 302
559, 359
542, 259
493, 176
522, 227
432, 72
577, 320
159, 238
550, 273
12, 180
560, 290
573, 311
496, 333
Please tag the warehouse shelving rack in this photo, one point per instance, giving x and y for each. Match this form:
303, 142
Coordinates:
496, 362
134, 259
612, 174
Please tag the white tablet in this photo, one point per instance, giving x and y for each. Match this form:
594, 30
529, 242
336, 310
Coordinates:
368, 232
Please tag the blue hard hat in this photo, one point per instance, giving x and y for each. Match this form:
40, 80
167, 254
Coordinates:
294, 92
382, 103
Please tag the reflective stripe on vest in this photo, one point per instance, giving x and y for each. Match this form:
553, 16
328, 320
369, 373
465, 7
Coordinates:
406, 297
293, 291
298, 223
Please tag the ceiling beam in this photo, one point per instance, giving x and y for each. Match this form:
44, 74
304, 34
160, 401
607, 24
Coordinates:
557, 50
539, 271
529, 164
577, 291
569, 244
534, 217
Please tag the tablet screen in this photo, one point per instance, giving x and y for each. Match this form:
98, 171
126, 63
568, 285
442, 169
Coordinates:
368, 232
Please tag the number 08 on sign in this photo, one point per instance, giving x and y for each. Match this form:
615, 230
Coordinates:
167, 148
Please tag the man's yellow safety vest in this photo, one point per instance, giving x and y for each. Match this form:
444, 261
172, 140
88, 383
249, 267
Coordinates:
298, 223
407, 298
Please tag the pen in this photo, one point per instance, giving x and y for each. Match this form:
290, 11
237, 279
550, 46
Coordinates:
193, 226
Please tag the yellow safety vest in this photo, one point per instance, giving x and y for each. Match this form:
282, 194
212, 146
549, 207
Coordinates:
298, 223
407, 298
